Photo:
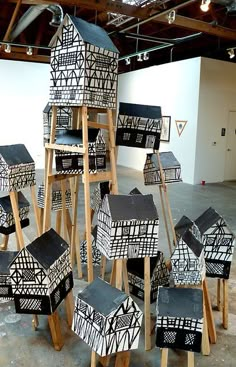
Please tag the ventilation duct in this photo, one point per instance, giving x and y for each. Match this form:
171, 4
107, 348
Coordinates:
31, 14
229, 4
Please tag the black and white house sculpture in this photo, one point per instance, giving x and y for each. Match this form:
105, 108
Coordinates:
84, 65
170, 167
41, 275
179, 322
56, 196
185, 224
96, 254
17, 168
7, 221
128, 226
64, 120
6, 258
139, 126
98, 194
218, 241
159, 276
68, 162
187, 259
107, 319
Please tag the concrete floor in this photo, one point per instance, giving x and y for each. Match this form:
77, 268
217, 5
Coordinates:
21, 346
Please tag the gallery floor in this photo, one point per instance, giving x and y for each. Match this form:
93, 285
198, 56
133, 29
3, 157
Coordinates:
21, 346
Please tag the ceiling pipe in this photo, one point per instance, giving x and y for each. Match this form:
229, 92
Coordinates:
31, 14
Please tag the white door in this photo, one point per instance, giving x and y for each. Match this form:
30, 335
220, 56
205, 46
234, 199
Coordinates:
230, 154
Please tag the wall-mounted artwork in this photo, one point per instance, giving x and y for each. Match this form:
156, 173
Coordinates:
98, 194
64, 120
68, 162
17, 168
7, 221
135, 191
107, 319
41, 275
128, 226
171, 169
165, 128
139, 126
96, 254
159, 276
56, 196
187, 259
84, 65
180, 125
179, 323
218, 241
6, 258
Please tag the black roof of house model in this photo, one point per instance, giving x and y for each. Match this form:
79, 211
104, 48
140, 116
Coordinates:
5, 202
193, 243
183, 225
102, 296
15, 154
138, 110
6, 257
207, 219
71, 137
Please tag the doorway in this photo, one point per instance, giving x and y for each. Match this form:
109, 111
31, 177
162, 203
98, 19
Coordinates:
230, 154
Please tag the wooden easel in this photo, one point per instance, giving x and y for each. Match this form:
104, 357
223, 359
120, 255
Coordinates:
223, 303
164, 358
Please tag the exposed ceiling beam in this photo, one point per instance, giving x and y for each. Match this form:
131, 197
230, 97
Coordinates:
23, 57
13, 18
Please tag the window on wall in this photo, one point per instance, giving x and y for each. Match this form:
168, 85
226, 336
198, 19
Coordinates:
67, 38
123, 321
125, 231
143, 229
28, 275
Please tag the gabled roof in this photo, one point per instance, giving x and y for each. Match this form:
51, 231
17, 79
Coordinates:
136, 265
127, 207
47, 248
193, 243
139, 110
207, 219
180, 302
47, 108
5, 202
70, 137
15, 154
102, 296
6, 257
90, 33
183, 225
167, 159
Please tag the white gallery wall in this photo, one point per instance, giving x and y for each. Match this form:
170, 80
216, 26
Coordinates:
24, 94
200, 91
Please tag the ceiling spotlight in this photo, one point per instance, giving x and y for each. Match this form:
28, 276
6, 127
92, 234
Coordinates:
139, 58
231, 53
127, 61
8, 48
146, 56
205, 5
171, 16
29, 51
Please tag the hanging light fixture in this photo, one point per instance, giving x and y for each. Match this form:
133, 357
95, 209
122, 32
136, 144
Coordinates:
7, 48
29, 51
205, 5
139, 58
127, 61
231, 53
146, 56
171, 16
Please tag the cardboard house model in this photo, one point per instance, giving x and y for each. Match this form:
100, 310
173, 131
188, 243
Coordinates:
179, 322
185, 224
107, 319
159, 276
170, 167
139, 126
84, 65
68, 162
64, 120
218, 241
41, 275
128, 226
17, 168
56, 196
7, 221
6, 258
96, 254
98, 194
187, 259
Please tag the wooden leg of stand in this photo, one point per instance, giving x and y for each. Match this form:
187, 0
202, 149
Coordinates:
147, 292
125, 276
103, 266
164, 357
70, 305
205, 335
190, 359
209, 313
4, 244
165, 220
219, 306
93, 359
55, 329
119, 272
122, 359
64, 216
41, 219
58, 221
113, 274
35, 322
105, 361
225, 303
14, 205
36, 210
